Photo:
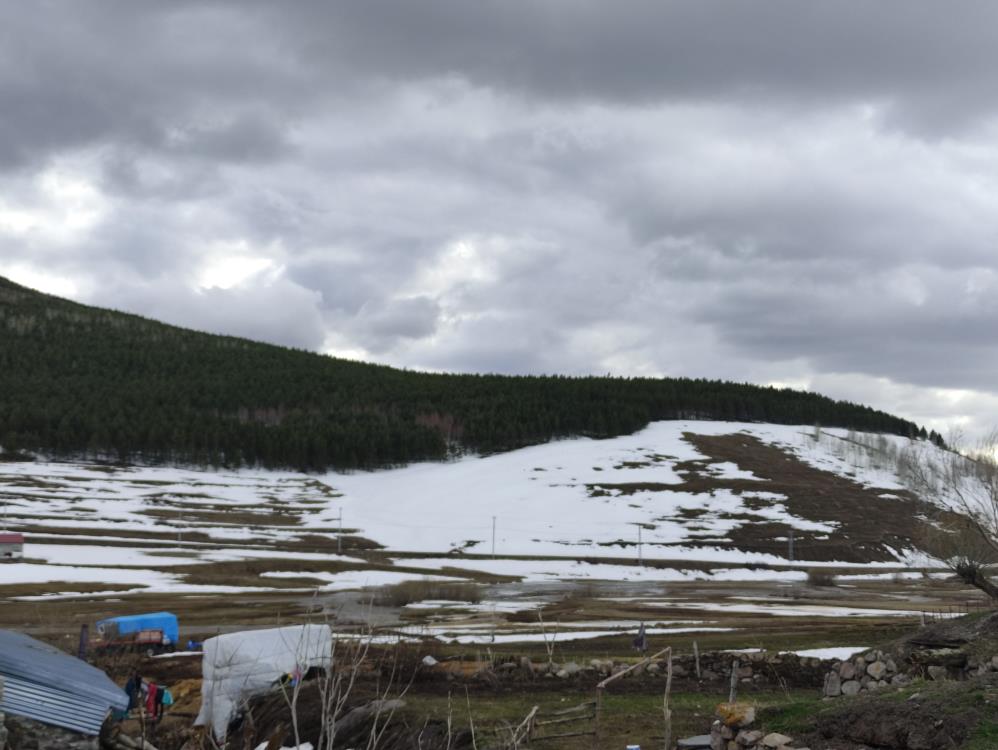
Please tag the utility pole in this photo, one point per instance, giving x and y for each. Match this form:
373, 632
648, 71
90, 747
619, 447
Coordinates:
339, 536
790, 543
493, 537
640, 558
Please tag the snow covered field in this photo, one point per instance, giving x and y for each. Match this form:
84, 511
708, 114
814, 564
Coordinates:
552, 504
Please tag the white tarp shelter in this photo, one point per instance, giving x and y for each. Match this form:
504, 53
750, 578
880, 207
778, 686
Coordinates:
237, 666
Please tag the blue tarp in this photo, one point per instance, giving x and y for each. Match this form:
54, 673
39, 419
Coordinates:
43, 683
128, 624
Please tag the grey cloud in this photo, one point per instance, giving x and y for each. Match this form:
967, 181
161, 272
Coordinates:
789, 192
384, 323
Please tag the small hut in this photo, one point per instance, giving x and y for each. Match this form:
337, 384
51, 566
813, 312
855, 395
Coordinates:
11, 546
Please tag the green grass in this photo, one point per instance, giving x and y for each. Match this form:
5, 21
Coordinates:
634, 718
985, 737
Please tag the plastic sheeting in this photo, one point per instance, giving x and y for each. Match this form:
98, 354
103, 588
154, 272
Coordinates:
237, 666
115, 627
43, 683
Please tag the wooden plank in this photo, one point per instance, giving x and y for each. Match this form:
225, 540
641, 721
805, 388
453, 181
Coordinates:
562, 736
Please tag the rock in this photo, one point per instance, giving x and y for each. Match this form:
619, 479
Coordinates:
603, 666
892, 666
994, 663
946, 657
527, 666
748, 737
27, 733
860, 664
571, 668
700, 742
735, 714
900, 680
727, 733
709, 675
562, 674
833, 685
850, 687
744, 672
847, 670
653, 668
678, 670
938, 673
775, 740
717, 742
877, 670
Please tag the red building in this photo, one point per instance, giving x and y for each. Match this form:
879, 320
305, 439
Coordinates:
11, 546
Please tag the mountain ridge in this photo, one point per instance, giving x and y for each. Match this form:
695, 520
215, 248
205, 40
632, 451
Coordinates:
77, 380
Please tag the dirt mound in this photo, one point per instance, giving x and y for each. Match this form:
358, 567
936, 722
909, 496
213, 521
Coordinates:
268, 720
931, 716
955, 633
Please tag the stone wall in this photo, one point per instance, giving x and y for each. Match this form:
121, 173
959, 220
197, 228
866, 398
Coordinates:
26, 734
762, 668
875, 670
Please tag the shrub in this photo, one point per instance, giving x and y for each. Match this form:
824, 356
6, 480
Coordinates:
407, 592
820, 577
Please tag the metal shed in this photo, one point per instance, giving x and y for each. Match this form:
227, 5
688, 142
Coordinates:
45, 684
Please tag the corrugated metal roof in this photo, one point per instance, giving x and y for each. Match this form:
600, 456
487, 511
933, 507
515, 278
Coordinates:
43, 683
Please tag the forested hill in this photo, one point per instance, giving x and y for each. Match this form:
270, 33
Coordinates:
78, 380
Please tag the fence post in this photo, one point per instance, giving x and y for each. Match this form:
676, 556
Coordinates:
733, 692
696, 659
665, 703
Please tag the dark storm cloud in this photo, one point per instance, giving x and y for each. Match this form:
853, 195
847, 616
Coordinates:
784, 191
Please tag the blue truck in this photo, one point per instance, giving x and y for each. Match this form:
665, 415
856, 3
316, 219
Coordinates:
151, 633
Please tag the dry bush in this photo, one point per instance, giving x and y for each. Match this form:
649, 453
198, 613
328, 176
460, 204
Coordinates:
407, 592
820, 577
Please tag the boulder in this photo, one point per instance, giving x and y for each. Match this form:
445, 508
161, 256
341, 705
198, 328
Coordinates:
738, 715
775, 740
833, 685
847, 670
994, 663
937, 673
877, 670
700, 742
603, 666
748, 737
900, 680
850, 687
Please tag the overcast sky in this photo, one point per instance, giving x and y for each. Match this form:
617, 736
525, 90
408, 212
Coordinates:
803, 193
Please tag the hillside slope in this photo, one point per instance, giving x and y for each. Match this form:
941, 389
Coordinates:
84, 381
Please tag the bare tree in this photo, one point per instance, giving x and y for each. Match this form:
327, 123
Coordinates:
964, 482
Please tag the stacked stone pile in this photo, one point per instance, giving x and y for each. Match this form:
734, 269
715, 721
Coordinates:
733, 730
876, 670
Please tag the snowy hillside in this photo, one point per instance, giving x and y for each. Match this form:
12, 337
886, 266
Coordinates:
566, 509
